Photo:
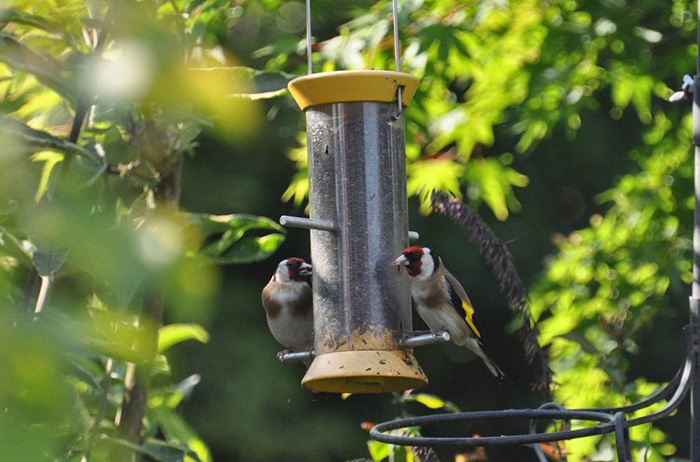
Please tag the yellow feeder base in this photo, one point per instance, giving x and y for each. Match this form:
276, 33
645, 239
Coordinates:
364, 371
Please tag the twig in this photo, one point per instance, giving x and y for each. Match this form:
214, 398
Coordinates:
43, 293
133, 409
92, 435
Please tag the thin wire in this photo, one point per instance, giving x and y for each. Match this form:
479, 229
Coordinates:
397, 56
309, 64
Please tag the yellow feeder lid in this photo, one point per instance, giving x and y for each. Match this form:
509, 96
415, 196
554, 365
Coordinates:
352, 86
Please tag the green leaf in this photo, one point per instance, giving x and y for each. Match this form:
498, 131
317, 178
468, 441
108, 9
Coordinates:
249, 250
431, 401
181, 390
21, 17
253, 84
173, 334
230, 245
46, 70
178, 432
160, 450
38, 139
378, 451
210, 224
48, 260
429, 174
50, 159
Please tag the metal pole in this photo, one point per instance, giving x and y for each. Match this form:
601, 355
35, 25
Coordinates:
695, 297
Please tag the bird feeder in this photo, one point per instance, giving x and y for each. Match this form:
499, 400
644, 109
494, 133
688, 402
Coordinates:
358, 209
359, 224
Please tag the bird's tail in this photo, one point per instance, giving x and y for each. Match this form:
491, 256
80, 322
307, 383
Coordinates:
495, 370
493, 367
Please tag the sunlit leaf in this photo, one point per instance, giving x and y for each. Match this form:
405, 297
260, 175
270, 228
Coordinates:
172, 334
178, 432
22, 17
430, 174
248, 250
258, 84
41, 140
431, 401
47, 70
231, 245
50, 160
378, 451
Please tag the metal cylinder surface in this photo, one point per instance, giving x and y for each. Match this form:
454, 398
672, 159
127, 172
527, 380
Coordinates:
362, 304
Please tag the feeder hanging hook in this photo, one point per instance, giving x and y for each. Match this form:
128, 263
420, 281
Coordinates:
397, 54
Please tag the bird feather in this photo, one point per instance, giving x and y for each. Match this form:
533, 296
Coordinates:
461, 302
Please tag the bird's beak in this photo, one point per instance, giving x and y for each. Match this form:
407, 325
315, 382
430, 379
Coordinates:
305, 269
401, 261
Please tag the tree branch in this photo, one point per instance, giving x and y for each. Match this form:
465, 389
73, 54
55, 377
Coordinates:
130, 418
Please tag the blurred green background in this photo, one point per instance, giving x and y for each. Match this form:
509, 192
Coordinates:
551, 119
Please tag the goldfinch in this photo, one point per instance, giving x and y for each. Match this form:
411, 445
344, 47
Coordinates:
287, 300
442, 302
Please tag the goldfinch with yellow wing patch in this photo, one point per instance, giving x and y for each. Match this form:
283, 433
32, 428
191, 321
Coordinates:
442, 302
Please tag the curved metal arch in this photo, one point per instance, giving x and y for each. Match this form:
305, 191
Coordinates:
610, 420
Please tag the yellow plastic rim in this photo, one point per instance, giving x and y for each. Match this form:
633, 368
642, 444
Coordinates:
364, 371
352, 86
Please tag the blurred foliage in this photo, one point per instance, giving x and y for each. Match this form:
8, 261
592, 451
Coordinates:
100, 103
550, 115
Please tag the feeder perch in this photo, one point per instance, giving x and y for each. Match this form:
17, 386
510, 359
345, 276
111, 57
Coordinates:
358, 223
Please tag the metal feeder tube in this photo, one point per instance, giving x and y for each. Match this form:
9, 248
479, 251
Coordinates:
357, 175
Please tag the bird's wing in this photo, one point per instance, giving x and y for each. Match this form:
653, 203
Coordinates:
460, 301
303, 305
269, 301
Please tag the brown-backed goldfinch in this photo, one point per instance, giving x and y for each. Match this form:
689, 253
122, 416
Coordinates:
442, 302
287, 300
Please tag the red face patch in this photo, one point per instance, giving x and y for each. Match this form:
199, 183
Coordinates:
414, 257
293, 265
